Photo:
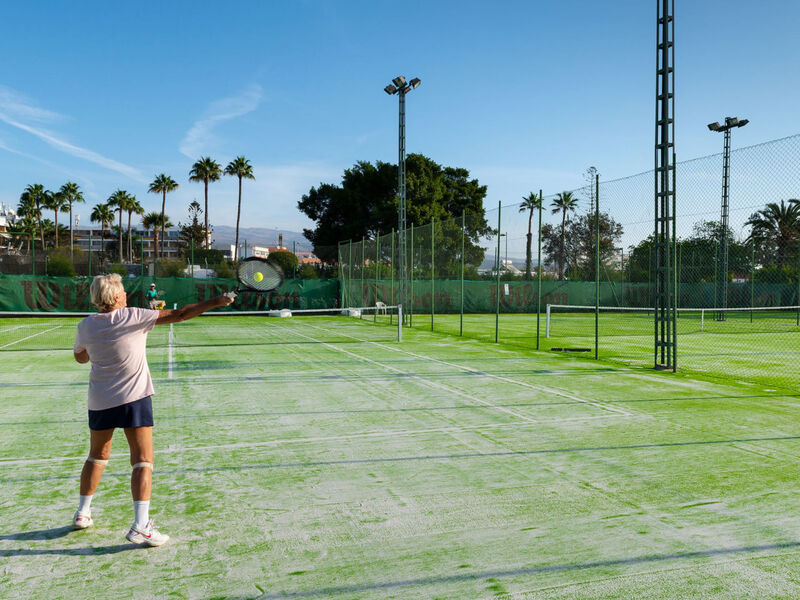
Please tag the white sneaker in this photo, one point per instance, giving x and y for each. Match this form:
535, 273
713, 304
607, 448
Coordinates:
148, 535
82, 520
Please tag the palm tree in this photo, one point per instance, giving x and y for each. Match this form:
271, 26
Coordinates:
153, 220
117, 201
777, 225
55, 202
242, 168
34, 196
132, 206
564, 203
72, 192
529, 203
205, 170
161, 185
102, 213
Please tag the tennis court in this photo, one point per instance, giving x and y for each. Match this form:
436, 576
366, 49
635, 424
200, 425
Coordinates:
318, 457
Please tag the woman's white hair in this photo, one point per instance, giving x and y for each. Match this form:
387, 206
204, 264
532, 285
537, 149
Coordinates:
104, 289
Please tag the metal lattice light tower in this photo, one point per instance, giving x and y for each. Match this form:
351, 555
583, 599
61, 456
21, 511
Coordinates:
400, 87
721, 299
664, 297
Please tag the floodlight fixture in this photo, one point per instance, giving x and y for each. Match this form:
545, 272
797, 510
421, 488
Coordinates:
390, 89
415, 82
399, 81
721, 295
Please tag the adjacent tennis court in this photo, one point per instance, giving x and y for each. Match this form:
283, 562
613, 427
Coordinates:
318, 457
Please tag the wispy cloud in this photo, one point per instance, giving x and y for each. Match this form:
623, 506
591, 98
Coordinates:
201, 135
18, 111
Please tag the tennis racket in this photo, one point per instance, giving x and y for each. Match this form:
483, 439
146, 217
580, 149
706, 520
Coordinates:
257, 275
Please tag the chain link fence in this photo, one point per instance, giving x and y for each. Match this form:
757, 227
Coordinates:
738, 289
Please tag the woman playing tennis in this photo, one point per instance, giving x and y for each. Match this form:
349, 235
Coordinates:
119, 394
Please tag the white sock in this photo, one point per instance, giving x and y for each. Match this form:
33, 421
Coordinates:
85, 505
141, 511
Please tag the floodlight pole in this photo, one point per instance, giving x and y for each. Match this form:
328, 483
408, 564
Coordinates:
721, 297
400, 87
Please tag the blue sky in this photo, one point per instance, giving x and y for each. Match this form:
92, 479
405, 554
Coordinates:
525, 95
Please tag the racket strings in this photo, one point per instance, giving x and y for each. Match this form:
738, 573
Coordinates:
258, 275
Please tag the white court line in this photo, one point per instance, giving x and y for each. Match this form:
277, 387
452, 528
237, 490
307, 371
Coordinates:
540, 388
318, 439
428, 382
31, 336
169, 351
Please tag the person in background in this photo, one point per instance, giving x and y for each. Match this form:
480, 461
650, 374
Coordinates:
120, 390
152, 298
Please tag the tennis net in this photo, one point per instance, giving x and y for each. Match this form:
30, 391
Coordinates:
40, 331
566, 320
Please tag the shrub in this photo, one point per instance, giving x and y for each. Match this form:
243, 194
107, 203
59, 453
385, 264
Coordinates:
171, 268
60, 266
286, 260
118, 268
307, 272
224, 270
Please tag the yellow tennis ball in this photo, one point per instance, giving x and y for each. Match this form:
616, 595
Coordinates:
258, 276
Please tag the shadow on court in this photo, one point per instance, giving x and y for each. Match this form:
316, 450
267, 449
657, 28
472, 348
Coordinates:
40, 535
535, 570
85, 551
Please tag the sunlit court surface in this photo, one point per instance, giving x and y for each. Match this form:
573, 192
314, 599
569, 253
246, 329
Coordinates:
318, 457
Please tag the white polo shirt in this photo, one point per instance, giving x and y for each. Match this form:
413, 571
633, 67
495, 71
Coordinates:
116, 343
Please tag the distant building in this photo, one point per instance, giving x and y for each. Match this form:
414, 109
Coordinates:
8, 218
90, 238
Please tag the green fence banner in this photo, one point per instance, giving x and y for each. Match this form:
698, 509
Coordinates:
28, 293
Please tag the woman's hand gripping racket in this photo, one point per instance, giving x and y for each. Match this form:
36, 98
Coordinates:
256, 275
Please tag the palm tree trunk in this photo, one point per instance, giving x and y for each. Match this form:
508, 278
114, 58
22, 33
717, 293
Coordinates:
238, 213
563, 246
56, 211
130, 245
120, 235
39, 219
205, 233
163, 208
71, 235
528, 247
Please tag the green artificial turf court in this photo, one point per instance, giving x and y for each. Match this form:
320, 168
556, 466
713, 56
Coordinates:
317, 457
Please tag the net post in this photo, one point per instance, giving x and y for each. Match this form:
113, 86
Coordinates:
433, 288
399, 322
391, 273
497, 262
411, 280
461, 316
547, 323
539, 270
377, 266
702, 319
597, 266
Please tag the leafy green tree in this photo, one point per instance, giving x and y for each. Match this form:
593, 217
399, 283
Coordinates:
365, 204
580, 244
564, 203
163, 184
241, 168
287, 261
72, 192
206, 169
529, 203
775, 229
193, 233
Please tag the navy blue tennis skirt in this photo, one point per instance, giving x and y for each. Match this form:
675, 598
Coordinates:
132, 414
